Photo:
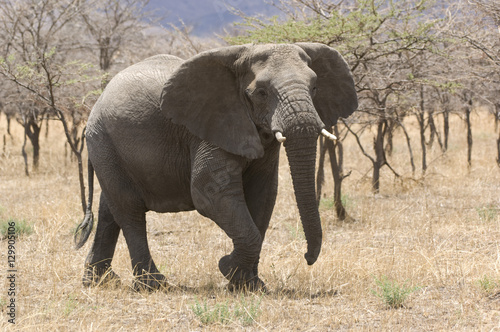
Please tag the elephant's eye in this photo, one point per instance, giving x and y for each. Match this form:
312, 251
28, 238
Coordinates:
261, 92
313, 91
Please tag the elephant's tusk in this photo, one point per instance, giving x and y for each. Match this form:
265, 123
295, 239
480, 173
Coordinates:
279, 137
328, 135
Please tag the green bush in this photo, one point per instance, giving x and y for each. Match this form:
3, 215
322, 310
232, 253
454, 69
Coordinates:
392, 294
21, 227
487, 213
488, 284
296, 232
328, 203
245, 312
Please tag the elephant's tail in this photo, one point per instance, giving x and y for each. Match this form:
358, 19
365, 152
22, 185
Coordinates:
83, 230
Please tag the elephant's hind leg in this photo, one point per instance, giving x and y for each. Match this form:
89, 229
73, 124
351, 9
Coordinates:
147, 276
98, 264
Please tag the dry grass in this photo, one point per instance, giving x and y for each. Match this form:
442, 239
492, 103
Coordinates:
440, 233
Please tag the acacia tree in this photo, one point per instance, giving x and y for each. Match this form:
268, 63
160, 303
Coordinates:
6, 105
484, 39
482, 35
428, 96
112, 24
39, 55
476, 56
24, 42
377, 39
121, 32
30, 115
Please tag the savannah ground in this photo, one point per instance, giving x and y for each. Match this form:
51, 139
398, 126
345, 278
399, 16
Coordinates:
436, 236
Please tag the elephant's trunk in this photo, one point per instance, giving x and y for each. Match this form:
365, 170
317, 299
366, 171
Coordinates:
301, 152
299, 125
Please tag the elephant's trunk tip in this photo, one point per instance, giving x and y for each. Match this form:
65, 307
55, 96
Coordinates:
311, 256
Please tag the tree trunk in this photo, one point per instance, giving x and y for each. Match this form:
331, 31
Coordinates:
336, 163
32, 130
468, 111
339, 205
337, 179
77, 147
81, 179
25, 155
47, 127
320, 178
389, 146
421, 122
497, 119
378, 146
8, 126
497, 115
434, 132
410, 151
446, 128
498, 150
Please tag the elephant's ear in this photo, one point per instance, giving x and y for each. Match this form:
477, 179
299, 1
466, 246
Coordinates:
203, 95
336, 95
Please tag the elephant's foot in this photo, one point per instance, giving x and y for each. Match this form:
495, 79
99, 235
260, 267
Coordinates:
239, 278
150, 282
95, 276
254, 285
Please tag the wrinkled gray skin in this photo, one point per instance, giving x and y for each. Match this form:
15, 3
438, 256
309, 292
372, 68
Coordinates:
169, 135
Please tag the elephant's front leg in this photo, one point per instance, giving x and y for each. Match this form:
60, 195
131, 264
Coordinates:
260, 183
217, 191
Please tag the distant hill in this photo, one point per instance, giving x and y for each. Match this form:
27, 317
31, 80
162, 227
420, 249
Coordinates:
208, 16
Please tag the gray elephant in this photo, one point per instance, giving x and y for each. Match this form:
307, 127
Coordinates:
169, 135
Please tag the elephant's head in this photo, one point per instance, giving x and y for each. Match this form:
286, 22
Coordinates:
228, 95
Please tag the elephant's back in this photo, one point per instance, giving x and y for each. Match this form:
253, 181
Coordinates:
158, 67
133, 95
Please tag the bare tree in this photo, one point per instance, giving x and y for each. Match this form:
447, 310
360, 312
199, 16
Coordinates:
38, 55
111, 24
378, 40
476, 56
486, 14
489, 44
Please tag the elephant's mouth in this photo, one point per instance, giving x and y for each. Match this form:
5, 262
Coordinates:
266, 136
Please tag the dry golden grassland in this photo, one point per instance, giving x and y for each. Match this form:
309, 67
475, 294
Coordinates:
437, 237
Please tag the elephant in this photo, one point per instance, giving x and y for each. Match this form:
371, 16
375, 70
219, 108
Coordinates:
171, 135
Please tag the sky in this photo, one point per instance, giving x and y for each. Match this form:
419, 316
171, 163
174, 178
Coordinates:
208, 16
